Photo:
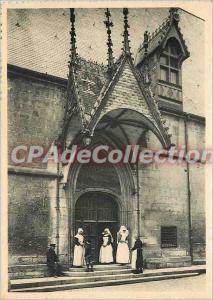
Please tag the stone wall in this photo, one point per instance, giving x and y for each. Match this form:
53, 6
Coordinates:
35, 113
30, 216
163, 194
32, 199
196, 140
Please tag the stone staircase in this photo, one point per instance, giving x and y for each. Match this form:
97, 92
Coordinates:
27, 271
103, 275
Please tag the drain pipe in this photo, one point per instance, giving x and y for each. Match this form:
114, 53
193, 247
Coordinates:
138, 198
57, 209
187, 117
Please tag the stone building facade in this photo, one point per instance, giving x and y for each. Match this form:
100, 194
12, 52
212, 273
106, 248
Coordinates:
154, 100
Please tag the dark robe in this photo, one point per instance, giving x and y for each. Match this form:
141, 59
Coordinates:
54, 268
138, 246
88, 256
88, 250
52, 258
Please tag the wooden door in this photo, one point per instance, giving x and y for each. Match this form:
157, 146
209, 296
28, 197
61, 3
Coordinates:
94, 212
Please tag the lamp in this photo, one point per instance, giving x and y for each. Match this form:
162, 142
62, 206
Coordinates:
86, 137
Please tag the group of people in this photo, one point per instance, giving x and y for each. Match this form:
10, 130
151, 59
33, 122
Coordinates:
83, 252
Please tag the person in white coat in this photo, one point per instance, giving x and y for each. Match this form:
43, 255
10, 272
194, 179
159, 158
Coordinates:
122, 255
106, 251
78, 260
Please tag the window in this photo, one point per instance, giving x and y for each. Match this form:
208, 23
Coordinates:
170, 63
168, 237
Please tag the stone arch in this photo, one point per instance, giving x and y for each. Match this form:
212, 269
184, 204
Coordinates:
125, 199
145, 121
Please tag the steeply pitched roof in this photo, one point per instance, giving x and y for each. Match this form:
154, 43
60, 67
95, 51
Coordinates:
152, 111
90, 79
89, 86
159, 37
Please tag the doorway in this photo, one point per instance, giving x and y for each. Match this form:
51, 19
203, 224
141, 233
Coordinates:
95, 211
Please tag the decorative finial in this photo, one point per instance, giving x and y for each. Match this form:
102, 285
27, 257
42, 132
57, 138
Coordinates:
173, 15
126, 47
145, 42
110, 59
73, 55
146, 64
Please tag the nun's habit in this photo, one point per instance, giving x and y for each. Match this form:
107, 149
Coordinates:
78, 260
106, 251
122, 255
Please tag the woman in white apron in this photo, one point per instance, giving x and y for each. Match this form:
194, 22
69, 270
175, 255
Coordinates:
78, 260
122, 255
106, 251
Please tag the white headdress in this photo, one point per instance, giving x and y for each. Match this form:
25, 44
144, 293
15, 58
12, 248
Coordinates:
79, 233
106, 230
123, 231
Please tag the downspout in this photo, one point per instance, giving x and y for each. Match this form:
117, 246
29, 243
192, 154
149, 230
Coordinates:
188, 189
138, 198
69, 233
57, 209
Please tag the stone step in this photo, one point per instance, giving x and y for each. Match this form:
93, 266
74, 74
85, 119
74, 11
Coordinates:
40, 270
99, 272
103, 282
97, 276
103, 267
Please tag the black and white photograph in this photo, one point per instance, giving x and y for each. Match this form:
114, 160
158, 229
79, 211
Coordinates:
106, 150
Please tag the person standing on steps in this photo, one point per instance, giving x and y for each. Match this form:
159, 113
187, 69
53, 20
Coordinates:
122, 255
54, 268
88, 256
106, 251
137, 256
78, 259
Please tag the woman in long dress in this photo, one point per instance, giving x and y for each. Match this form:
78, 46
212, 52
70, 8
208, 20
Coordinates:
106, 251
78, 260
137, 256
122, 255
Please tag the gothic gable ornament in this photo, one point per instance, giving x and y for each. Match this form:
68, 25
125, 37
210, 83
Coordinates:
158, 39
91, 107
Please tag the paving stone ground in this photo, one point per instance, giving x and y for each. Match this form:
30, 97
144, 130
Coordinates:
184, 288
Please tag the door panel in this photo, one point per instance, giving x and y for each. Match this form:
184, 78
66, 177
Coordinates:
94, 212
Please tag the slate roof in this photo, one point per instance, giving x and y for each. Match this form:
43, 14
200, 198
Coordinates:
34, 43
155, 115
158, 37
90, 78
39, 40
155, 39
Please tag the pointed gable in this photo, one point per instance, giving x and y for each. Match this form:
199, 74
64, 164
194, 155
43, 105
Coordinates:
158, 39
127, 91
123, 89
